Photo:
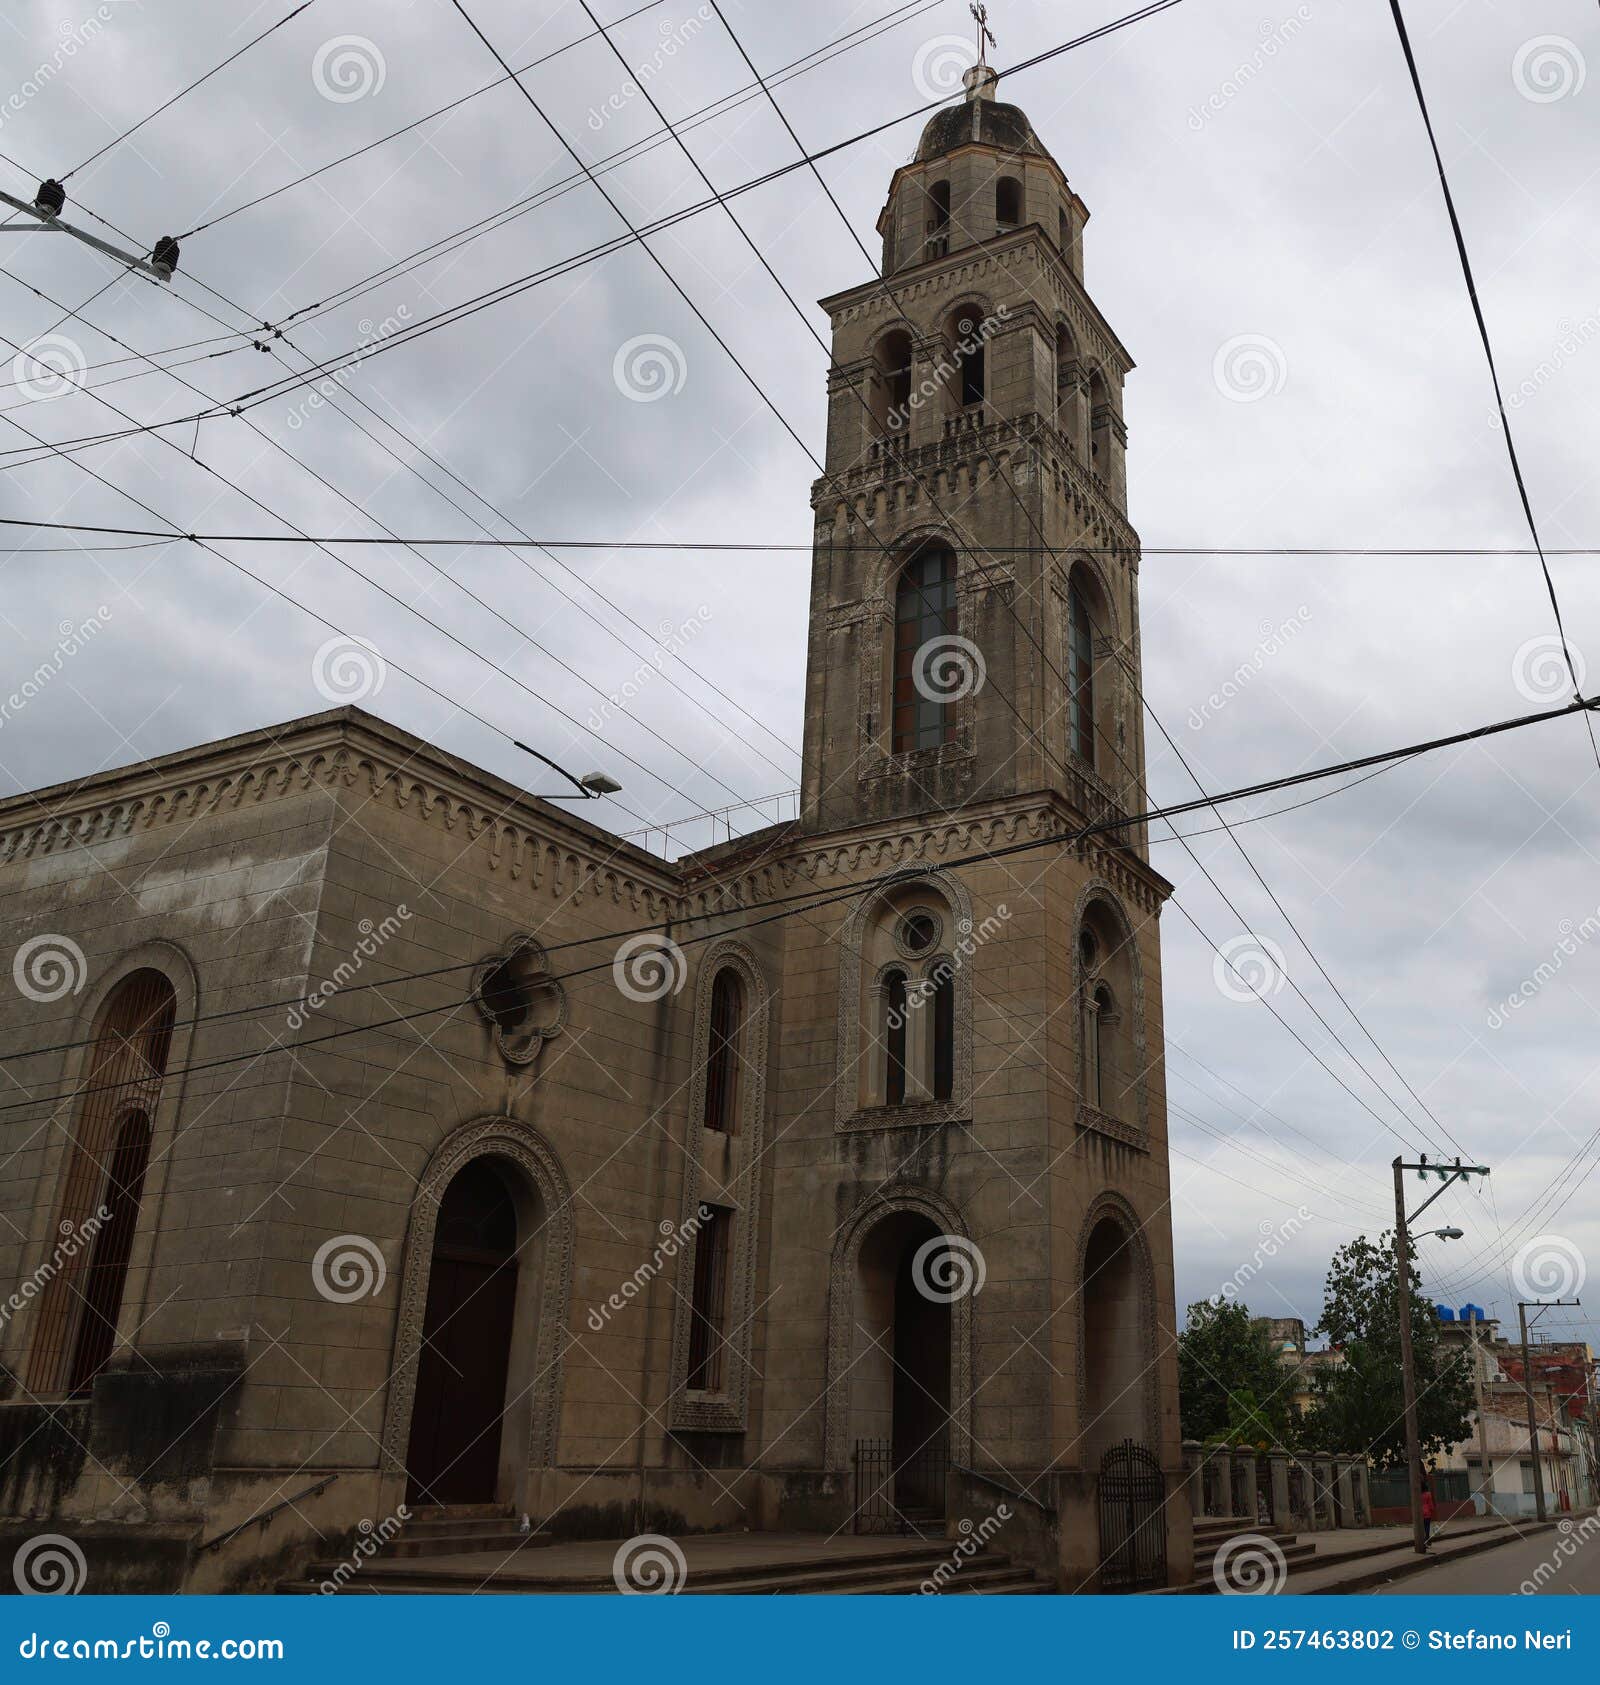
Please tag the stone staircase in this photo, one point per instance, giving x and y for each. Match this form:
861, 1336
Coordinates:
1211, 1534
459, 1529
478, 1555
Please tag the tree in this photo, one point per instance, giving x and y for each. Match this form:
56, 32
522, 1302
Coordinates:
1231, 1384
1358, 1402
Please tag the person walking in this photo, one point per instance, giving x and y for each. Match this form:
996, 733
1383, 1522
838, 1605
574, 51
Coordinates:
1429, 1510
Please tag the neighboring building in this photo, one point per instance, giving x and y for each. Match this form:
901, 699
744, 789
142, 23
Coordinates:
1494, 1466
1288, 1337
369, 1163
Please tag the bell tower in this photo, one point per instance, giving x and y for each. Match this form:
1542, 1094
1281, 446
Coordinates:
974, 621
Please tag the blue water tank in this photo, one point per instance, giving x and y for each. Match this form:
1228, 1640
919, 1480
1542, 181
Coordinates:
1468, 1312
1445, 1313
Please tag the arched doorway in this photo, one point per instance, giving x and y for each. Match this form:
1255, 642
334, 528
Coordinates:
900, 1396
1115, 1360
453, 1455
1117, 1426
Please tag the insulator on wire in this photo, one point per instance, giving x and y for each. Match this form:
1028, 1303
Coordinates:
165, 256
51, 197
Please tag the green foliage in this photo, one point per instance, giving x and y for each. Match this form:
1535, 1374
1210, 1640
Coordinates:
1231, 1385
1357, 1404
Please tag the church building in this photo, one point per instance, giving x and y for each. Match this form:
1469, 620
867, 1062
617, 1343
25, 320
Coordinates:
386, 1148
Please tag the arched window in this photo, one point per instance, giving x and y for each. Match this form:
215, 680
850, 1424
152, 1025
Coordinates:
895, 1013
1068, 376
722, 1053
938, 234
1080, 672
1063, 232
1109, 1059
924, 617
1099, 423
894, 380
106, 1275
968, 341
1008, 202
944, 1030
1098, 1078
99, 1209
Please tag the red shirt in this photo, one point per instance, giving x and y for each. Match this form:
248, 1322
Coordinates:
1427, 1505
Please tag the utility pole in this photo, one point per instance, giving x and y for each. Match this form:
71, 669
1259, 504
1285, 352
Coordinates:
1448, 1173
1485, 1466
1523, 1307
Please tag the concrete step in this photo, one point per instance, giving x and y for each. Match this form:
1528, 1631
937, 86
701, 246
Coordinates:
900, 1571
1354, 1567
463, 1518
494, 1538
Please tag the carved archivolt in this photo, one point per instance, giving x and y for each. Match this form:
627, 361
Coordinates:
727, 1410
853, 1000
528, 1152
842, 1272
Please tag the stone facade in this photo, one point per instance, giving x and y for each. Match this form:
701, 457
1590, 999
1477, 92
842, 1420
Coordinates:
388, 966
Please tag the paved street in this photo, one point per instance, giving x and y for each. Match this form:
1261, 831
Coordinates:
1549, 1562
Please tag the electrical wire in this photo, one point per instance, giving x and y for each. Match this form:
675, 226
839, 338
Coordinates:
775, 908
1494, 373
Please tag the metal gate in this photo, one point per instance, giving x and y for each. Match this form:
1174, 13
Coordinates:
895, 1495
1133, 1521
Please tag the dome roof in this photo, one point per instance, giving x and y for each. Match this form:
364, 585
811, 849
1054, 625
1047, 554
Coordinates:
985, 122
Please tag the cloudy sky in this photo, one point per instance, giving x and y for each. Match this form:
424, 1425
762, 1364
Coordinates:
1268, 239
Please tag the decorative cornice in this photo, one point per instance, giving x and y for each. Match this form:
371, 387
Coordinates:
338, 754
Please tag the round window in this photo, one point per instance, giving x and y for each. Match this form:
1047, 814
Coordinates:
919, 932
